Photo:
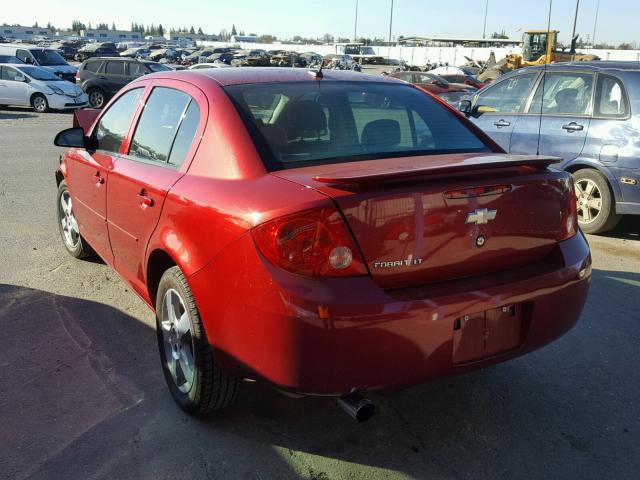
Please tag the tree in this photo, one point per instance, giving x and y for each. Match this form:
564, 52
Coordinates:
267, 38
224, 35
35, 25
113, 25
501, 35
200, 31
233, 30
192, 30
327, 38
160, 30
625, 46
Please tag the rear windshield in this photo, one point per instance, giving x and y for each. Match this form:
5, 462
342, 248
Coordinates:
295, 124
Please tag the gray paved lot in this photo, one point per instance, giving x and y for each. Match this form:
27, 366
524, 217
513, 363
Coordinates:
82, 395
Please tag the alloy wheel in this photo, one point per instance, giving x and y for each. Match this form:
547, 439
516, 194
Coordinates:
70, 229
589, 199
40, 104
176, 328
96, 99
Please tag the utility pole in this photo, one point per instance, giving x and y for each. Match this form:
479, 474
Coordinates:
486, 10
573, 34
595, 24
355, 26
390, 25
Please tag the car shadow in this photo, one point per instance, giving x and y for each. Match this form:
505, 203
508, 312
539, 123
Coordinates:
83, 396
13, 115
627, 229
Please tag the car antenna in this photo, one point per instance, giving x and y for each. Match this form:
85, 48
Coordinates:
318, 73
544, 79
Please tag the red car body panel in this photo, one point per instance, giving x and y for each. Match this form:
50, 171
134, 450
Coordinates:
333, 335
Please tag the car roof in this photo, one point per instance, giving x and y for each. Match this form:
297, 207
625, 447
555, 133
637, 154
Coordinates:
244, 75
596, 65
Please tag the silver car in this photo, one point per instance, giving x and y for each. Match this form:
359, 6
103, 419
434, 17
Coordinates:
27, 85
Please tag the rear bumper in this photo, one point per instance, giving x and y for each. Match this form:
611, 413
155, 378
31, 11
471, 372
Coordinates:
332, 336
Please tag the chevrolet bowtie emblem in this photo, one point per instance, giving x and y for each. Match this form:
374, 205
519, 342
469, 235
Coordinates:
481, 216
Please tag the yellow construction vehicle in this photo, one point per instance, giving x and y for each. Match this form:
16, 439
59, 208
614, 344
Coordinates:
538, 47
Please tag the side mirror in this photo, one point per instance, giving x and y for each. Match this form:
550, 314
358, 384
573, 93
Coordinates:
28, 60
20, 78
71, 137
465, 107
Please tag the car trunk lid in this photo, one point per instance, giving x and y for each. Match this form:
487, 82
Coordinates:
433, 218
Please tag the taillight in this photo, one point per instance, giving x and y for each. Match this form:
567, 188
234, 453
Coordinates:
77, 75
314, 242
570, 216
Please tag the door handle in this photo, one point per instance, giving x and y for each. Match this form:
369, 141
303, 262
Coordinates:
99, 179
145, 200
573, 127
502, 123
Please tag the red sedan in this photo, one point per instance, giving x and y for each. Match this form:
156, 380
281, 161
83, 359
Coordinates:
286, 228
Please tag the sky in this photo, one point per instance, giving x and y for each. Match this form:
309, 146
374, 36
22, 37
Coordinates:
617, 19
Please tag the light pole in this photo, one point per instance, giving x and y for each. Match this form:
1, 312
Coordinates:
573, 34
486, 10
390, 25
595, 24
355, 26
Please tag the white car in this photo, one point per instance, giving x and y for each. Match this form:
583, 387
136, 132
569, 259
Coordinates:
198, 66
26, 85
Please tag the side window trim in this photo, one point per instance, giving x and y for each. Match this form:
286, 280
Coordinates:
175, 135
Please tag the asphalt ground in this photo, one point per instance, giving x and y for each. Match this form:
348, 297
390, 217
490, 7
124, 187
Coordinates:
82, 393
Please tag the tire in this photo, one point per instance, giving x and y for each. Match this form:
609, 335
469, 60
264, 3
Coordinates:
39, 103
97, 98
68, 226
596, 204
182, 340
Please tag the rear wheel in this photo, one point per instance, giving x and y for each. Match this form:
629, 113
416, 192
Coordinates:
96, 98
39, 103
196, 382
596, 205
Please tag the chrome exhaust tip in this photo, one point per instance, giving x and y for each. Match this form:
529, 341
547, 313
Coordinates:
357, 407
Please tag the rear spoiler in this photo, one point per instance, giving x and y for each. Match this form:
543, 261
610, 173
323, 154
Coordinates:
407, 171
84, 118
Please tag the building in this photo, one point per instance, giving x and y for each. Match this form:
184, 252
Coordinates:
243, 39
12, 32
111, 35
457, 42
186, 37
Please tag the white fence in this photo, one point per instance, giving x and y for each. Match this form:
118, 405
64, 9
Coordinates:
424, 55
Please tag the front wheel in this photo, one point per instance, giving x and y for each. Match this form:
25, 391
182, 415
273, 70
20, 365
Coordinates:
39, 103
596, 205
68, 226
195, 380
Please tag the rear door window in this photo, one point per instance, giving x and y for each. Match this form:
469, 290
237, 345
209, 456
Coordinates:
507, 96
563, 93
163, 114
113, 125
611, 98
115, 68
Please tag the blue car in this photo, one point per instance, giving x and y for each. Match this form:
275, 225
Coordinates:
587, 113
